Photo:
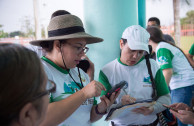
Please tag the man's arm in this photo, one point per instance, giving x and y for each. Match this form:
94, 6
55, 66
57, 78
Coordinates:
190, 58
167, 75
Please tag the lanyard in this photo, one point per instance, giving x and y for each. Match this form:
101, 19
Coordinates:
79, 78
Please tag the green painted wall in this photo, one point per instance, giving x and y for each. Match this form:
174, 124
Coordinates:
142, 13
108, 19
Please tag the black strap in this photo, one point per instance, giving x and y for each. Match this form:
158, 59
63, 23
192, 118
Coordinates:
65, 31
147, 57
160, 116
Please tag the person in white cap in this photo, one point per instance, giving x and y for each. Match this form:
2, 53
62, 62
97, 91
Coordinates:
73, 103
177, 70
131, 67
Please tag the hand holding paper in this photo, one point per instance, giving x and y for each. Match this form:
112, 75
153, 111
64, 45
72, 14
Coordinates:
144, 110
132, 111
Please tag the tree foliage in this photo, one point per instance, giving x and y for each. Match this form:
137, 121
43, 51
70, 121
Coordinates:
189, 19
2, 33
17, 33
27, 27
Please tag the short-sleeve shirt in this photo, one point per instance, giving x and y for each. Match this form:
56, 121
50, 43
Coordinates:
139, 84
191, 51
65, 87
169, 56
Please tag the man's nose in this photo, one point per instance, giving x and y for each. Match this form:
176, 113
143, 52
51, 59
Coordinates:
135, 54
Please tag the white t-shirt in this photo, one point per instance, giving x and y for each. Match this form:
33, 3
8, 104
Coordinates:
65, 86
169, 56
40, 52
139, 85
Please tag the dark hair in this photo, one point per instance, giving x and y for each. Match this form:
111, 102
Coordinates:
48, 46
124, 40
59, 12
155, 19
21, 78
156, 36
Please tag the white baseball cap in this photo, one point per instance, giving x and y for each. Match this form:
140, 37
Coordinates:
137, 37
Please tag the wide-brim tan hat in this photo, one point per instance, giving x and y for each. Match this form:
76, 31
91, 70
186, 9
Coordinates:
65, 27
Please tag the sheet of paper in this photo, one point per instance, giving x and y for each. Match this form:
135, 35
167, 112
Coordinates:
126, 112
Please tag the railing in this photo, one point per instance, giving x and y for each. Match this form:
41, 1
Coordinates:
22, 41
186, 30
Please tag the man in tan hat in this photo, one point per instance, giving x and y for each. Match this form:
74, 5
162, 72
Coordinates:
73, 103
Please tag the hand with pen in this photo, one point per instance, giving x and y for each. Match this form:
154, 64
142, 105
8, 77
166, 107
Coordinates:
127, 99
184, 113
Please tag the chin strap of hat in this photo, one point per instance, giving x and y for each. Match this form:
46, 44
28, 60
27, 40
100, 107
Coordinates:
69, 70
147, 56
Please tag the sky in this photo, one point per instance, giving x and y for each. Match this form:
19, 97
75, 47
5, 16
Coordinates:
12, 12
163, 9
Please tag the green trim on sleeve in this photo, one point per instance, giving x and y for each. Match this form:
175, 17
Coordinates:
104, 80
164, 58
191, 51
51, 98
161, 86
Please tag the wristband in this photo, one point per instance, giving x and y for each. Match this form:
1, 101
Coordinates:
97, 112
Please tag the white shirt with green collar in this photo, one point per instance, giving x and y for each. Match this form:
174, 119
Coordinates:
169, 56
65, 86
139, 85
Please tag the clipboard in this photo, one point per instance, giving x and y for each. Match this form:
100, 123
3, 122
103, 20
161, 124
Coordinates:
119, 112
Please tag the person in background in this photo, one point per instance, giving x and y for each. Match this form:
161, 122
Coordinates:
74, 102
23, 93
131, 67
177, 71
154, 21
185, 113
190, 55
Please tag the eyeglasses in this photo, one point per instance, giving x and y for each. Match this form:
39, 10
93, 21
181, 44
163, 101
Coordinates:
51, 87
80, 49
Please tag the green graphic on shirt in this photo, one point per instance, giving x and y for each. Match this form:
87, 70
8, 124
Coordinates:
147, 79
162, 60
71, 88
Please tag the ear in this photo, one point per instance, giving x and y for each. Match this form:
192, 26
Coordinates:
121, 44
28, 115
57, 45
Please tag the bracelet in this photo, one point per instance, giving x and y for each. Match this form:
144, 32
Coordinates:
97, 112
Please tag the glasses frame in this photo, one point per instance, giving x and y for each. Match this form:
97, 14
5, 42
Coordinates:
46, 92
79, 49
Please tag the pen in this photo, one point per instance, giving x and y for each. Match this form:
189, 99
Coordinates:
132, 100
125, 91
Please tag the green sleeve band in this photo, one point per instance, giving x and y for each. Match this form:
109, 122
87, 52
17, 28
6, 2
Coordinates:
164, 58
191, 51
161, 86
104, 80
